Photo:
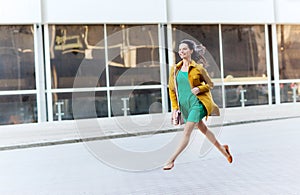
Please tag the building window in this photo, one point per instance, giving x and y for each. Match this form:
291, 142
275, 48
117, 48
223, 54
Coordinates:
245, 66
133, 102
87, 105
289, 69
16, 58
288, 37
290, 92
133, 55
82, 56
17, 75
246, 95
134, 62
70, 45
16, 109
244, 52
77, 54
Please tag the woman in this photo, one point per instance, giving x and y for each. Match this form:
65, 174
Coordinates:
193, 85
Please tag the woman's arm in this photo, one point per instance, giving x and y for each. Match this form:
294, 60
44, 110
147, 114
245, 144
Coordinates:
172, 92
207, 84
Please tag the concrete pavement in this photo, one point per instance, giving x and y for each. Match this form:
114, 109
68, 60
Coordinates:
266, 161
65, 132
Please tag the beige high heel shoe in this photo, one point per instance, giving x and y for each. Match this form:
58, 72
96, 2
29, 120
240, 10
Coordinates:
166, 167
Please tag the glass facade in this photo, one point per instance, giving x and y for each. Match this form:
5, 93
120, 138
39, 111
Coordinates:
244, 59
133, 102
244, 51
63, 102
122, 67
133, 55
289, 62
113, 56
17, 73
288, 51
246, 95
69, 46
17, 58
16, 109
290, 92
244, 62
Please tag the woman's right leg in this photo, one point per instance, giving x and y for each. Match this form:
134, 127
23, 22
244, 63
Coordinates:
188, 128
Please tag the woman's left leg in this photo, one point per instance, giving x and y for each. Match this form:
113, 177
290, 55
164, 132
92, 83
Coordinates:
211, 137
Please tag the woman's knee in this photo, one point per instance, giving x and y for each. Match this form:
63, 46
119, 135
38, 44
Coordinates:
188, 129
202, 127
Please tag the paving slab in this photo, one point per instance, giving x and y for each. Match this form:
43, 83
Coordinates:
266, 162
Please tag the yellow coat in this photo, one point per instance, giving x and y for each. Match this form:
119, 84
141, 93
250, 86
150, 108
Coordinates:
198, 77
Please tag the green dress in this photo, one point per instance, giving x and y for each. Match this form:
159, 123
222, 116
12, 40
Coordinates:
190, 106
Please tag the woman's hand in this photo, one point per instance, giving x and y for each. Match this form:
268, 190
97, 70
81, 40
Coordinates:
174, 114
195, 90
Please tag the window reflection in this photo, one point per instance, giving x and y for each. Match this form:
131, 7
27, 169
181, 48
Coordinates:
288, 37
289, 92
72, 45
16, 58
208, 35
244, 52
247, 95
17, 109
135, 102
217, 95
62, 105
133, 55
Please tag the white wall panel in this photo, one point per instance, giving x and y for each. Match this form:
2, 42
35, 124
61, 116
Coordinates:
287, 11
100, 11
20, 11
221, 11
149, 11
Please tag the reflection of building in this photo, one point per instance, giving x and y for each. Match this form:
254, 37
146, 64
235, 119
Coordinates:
122, 59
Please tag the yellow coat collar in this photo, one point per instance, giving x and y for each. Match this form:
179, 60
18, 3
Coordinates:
179, 64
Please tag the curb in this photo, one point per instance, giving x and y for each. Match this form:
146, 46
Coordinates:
116, 136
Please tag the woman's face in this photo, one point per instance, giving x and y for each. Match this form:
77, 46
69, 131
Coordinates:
184, 51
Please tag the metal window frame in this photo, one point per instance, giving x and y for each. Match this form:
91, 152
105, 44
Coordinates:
39, 73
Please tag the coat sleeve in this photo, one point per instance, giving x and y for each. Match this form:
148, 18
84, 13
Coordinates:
172, 92
207, 83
